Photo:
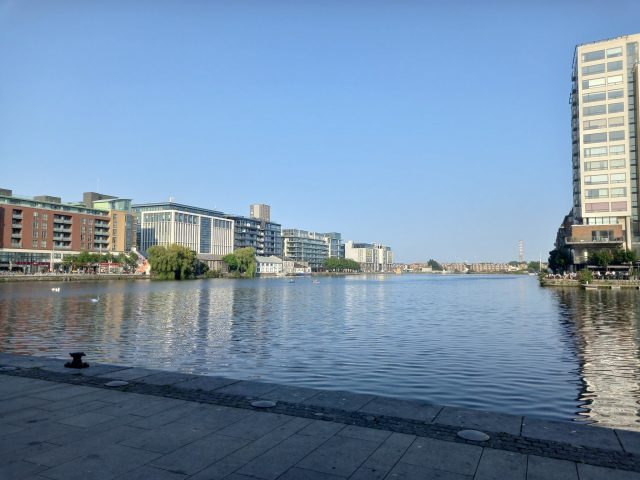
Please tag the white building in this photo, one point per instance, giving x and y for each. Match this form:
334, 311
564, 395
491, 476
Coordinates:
202, 230
372, 257
291, 267
268, 265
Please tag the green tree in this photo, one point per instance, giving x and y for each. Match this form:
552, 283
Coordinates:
585, 275
174, 262
242, 261
558, 260
621, 255
602, 258
333, 264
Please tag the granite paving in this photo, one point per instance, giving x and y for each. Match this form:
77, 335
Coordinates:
61, 424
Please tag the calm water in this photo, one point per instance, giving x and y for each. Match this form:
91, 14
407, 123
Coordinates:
499, 343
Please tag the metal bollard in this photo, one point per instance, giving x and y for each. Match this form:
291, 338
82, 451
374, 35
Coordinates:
77, 361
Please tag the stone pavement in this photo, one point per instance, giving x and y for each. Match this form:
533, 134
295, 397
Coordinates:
58, 423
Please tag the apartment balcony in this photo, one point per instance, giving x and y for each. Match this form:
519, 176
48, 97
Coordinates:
61, 229
63, 221
17, 216
100, 241
62, 238
16, 225
16, 235
15, 244
101, 224
616, 241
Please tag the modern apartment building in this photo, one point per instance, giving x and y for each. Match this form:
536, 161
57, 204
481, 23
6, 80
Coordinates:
372, 257
260, 211
122, 221
205, 231
263, 235
604, 154
304, 246
38, 232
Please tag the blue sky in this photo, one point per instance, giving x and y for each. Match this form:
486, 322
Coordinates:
438, 128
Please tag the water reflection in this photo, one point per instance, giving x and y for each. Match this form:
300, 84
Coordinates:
496, 343
605, 325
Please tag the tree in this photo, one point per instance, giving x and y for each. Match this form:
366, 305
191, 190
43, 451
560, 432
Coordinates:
534, 266
558, 260
602, 258
242, 261
434, 265
333, 264
174, 262
621, 255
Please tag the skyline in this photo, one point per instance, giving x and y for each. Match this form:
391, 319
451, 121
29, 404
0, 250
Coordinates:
452, 147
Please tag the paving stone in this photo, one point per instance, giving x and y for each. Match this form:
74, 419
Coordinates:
248, 389
630, 441
213, 417
96, 370
170, 415
573, 433
98, 430
88, 419
321, 428
406, 471
282, 457
141, 405
63, 392
256, 425
199, 454
302, 474
206, 384
165, 439
34, 435
244, 455
542, 468
287, 393
394, 407
479, 420
498, 464
30, 416
339, 456
128, 374
591, 472
372, 434
379, 464
150, 473
19, 404
348, 401
105, 464
440, 455
19, 469
165, 378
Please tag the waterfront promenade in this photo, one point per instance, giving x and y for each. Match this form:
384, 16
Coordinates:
60, 423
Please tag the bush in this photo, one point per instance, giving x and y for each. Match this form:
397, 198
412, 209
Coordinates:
585, 275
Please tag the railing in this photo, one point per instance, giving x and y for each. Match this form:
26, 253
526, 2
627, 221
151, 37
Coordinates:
17, 216
63, 221
16, 235
594, 240
61, 229
16, 225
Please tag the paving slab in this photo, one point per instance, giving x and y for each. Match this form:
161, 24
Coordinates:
339, 456
147, 472
591, 472
380, 463
165, 439
407, 471
630, 441
206, 384
87, 419
248, 389
255, 425
440, 455
543, 468
364, 433
498, 464
211, 417
19, 469
394, 407
479, 420
128, 373
573, 433
286, 393
165, 378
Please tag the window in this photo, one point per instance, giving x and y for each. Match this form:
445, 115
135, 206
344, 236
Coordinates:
616, 107
618, 177
35, 233
614, 66
597, 193
618, 192
594, 97
34, 244
35, 214
45, 217
618, 206
617, 163
595, 179
616, 121
614, 80
614, 52
593, 124
616, 149
595, 110
43, 243
594, 137
591, 56
617, 93
595, 151
44, 234
596, 207
601, 165
617, 135
591, 69
594, 82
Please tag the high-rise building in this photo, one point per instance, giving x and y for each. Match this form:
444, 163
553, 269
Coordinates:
207, 232
604, 154
260, 211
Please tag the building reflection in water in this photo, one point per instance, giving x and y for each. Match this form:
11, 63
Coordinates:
605, 324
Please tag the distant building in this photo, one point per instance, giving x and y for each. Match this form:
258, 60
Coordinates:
36, 234
372, 257
261, 235
268, 265
312, 247
291, 267
260, 211
122, 220
202, 230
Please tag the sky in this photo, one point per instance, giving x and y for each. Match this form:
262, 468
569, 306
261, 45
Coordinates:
441, 129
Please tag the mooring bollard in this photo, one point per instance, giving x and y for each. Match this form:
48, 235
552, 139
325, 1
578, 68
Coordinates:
77, 361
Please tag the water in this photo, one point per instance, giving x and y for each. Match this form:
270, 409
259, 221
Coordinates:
498, 343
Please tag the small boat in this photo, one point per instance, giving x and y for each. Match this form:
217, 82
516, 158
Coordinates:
316, 282
291, 280
55, 289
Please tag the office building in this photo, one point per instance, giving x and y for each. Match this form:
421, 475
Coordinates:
604, 153
372, 257
207, 232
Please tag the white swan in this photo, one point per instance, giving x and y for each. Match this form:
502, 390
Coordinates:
96, 300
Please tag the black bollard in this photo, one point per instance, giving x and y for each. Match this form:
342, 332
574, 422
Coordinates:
77, 361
